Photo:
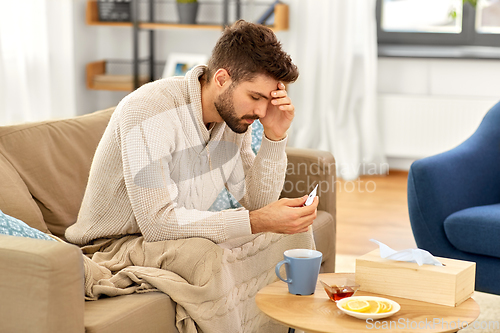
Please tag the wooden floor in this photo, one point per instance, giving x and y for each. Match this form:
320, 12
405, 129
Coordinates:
373, 207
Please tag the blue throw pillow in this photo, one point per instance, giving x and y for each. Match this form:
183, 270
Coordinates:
257, 132
225, 200
13, 227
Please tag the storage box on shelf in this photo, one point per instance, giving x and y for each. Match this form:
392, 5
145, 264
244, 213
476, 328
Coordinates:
450, 284
114, 11
92, 16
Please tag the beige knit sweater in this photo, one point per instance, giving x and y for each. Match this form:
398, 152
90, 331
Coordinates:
158, 169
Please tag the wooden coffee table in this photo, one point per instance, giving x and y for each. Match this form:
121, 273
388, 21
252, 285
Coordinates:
317, 313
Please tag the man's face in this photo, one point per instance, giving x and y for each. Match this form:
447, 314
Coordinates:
240, 104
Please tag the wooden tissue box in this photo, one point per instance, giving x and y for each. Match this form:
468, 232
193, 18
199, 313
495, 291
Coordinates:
447, 285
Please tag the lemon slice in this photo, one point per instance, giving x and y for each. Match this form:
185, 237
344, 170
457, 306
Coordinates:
357, 305
375, 306
385, 306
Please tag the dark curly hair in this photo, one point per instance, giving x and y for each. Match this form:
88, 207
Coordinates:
246, 49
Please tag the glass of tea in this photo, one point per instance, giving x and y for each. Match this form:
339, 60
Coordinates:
340, 288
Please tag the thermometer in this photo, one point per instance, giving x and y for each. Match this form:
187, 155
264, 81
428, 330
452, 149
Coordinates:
311, 196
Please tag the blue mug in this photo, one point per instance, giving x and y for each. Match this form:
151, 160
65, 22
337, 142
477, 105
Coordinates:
302, 270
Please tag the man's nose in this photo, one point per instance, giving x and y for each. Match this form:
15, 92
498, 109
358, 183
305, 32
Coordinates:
261, 110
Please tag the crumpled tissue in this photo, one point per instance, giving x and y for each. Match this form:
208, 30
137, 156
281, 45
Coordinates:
419, 256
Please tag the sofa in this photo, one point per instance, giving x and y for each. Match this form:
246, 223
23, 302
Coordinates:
44, 168
454, 202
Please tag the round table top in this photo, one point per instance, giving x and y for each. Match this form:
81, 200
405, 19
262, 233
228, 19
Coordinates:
317, 313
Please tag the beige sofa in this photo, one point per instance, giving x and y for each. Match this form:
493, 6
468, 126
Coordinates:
43, 173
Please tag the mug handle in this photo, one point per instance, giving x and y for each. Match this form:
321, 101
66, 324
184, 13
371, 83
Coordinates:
277, 270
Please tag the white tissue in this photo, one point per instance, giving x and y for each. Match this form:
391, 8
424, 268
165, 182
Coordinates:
410, 255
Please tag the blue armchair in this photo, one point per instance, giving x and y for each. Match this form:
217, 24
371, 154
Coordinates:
454, 202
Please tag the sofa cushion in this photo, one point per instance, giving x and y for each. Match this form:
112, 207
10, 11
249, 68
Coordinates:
150, 312
225, 200
15, 198
13, 227
475, 230
53, 160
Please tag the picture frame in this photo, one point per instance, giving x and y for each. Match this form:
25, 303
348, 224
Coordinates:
179, 63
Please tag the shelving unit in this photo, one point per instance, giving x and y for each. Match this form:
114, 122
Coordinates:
97, 77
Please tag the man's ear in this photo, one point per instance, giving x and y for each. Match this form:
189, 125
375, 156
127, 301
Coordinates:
221, 77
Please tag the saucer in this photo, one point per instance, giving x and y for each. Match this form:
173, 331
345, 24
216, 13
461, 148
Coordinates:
363, 315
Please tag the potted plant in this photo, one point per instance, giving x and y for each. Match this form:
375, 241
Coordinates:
187, 9
473, 3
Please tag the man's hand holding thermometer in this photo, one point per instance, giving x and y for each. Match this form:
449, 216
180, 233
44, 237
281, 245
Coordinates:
286, 216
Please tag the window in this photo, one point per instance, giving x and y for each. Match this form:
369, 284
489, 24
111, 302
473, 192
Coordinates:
439, 22
488, 18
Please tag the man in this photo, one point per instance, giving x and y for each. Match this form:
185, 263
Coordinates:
169, 149
153, 172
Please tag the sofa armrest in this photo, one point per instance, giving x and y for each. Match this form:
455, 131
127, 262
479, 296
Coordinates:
305, 169
42, 286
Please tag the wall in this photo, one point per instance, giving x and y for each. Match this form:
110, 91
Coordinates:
428, 106
84, 51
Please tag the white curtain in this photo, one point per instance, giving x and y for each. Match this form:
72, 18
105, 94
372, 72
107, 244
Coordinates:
36, 60
334, 44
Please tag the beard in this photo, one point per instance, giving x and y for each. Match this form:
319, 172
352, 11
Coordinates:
225, 106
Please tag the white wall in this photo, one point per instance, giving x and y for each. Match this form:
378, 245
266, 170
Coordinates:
428, 106
84, 51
